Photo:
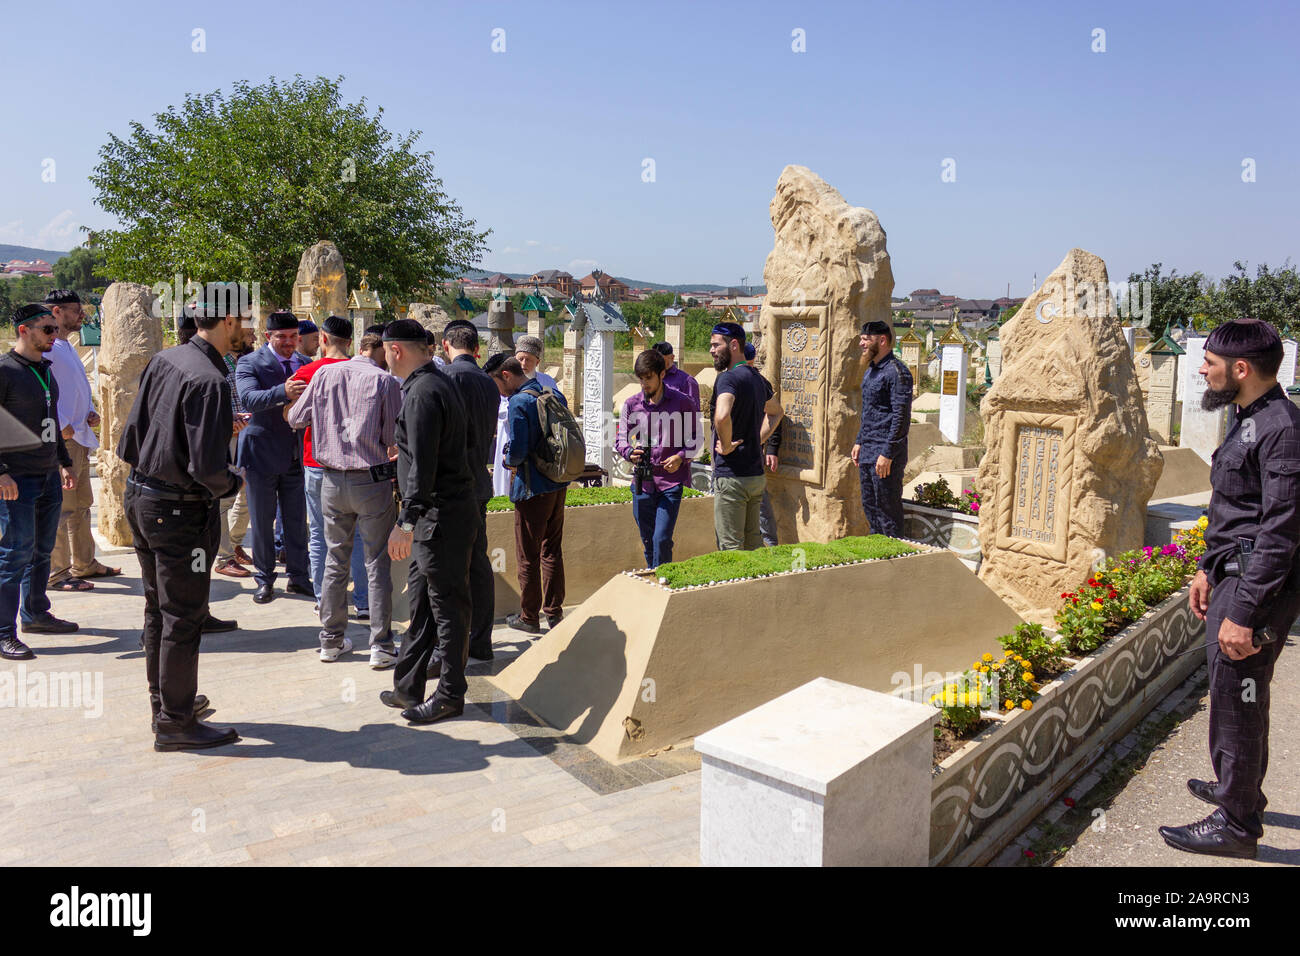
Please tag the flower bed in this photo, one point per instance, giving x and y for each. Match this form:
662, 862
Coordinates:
579, 497
723, 566
1130, 623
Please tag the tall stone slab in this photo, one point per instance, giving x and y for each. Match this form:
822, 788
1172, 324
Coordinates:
321, 286
571, 379
952, 393
598, 394
1199, 430
1160, 395
828, 273
433, 317
1070, 466
132, 329
1286, 372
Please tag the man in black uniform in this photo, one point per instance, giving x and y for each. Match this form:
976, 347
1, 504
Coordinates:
482, 400
1249, 581
177, 442
881, 450
437, 528
32, 483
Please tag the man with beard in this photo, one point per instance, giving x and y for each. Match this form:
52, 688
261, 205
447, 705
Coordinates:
234, 509
1248, 587
744, 416
881, 450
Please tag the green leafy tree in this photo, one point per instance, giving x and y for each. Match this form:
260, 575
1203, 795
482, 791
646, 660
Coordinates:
234, 186
1175, 299
1272, 295
81, 270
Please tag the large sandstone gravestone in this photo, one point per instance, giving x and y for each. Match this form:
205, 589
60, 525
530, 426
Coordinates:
1069, 467
132, 335
321, 287
433, 317
827, 274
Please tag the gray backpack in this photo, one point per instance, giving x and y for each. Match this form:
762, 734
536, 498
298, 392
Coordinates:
562, 455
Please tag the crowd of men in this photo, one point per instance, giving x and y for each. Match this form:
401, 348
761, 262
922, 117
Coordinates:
339, 465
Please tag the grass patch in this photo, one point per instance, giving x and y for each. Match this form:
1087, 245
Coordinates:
739, 565
578, 496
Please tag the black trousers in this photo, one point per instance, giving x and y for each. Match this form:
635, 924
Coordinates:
1239, 699
176, 542
288, 492
482, 590
439, 593
882, 498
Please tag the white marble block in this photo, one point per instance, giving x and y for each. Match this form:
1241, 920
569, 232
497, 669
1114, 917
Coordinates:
828, 774
1200, 430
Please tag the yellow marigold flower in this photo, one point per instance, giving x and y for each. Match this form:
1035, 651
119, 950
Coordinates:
988, 657
1099, 575
1124, 609
1027, 675
1009, 654
1027, 704
997, 666
1011, 705
1096, 605
1202, 522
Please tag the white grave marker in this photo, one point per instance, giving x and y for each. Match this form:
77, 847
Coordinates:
1286, 374
1200, 430
952, 393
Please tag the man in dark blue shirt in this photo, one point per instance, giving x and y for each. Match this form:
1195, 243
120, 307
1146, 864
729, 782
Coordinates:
744, 415
881, 450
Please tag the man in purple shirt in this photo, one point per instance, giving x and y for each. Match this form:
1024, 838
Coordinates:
661, 425
677, 377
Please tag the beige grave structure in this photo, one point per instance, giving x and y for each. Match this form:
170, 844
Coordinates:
827, 274
1160, 360
321, 286
132, 335
912, 346
536, 308
501, 324
1070, 465
432, 316
638, 667
675, 328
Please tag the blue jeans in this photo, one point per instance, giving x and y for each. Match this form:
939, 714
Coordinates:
316, 545
29, 526
656, 516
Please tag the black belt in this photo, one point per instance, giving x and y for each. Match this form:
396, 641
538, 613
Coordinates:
150, 491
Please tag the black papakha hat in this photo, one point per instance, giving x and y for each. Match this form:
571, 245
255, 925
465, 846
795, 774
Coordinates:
663, 348
25, 314
337, 326
459, 324
405, 330
282, 322
61, 297
1244, 338
495, 361
877, 328
376, 329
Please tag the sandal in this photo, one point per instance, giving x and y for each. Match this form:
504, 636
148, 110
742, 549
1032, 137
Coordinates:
107, 572
71, 584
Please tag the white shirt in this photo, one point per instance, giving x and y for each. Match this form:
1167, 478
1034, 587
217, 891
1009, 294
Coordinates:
74, 393
500, 473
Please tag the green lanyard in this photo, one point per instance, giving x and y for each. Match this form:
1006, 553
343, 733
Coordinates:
45, 386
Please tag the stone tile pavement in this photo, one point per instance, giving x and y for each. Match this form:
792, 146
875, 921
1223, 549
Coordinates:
324, 774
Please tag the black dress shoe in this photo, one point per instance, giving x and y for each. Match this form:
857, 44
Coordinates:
433, 710
1210, 836
391, 698
519, 624
200, 705
481, 653
553, 622
292, 588
215, 625
198, 737
1203, 791
264, 594
48, 624
12, 649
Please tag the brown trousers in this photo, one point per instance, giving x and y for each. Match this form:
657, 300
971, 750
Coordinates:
74, 546
539, 534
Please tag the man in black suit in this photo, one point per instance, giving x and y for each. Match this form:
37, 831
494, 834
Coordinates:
270, 452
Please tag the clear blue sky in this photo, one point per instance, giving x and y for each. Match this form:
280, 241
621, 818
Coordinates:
1134, 154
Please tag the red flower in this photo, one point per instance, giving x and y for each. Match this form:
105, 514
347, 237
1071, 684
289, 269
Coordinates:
1114, 593
1031, 854
1068, 801
1092, 583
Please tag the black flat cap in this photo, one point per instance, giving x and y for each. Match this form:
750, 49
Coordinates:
282, 322
405, 330
1243, 338
877, 328
459, 324
338, 327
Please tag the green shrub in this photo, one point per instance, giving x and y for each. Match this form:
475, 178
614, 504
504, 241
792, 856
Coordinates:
1028, 641
738, 565
578, 496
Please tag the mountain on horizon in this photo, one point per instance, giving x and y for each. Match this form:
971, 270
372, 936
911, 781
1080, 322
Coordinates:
631, 283
27, 254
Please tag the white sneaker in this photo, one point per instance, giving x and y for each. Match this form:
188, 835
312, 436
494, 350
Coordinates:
381, 659
331, 654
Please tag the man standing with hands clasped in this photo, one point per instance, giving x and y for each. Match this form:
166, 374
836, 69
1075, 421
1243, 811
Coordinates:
436, 528
881, 451
31, 483
1248, 587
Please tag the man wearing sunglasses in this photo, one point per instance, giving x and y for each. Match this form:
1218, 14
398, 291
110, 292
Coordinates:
32, 483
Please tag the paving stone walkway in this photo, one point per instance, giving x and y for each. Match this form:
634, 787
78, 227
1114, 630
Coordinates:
324, 774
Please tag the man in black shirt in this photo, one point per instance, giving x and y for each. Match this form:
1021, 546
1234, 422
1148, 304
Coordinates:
437, 528
177, 441
744, 415
482, 401
31, 484
881, 450
1248, 585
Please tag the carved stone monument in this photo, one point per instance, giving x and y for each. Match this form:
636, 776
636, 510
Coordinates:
1199, 430
675, 328
599, 321
953, 369
321, 286
430, 315
132, 335
1070, 465
911, 345
501, 324
363, 304
827, 274
1162, 360
1286, 372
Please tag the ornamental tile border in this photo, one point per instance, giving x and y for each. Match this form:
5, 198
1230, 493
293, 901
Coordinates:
985, 793
935, 527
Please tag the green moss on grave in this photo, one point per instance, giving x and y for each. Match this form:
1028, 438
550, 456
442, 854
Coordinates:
579, 496
739, 565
